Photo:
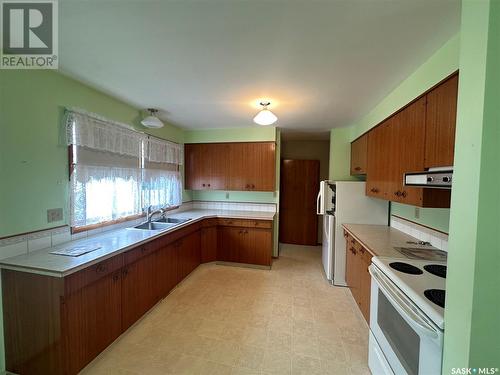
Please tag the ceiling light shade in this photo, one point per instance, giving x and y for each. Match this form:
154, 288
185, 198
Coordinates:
152, 121
265, 116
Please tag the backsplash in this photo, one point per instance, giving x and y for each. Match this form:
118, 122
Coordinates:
26, 243
436, 238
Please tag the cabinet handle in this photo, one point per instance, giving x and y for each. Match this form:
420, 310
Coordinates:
357, 168
116, 277
203, 185
100, 268
253, 186
208, 185
374, 190
398, 193
404, 194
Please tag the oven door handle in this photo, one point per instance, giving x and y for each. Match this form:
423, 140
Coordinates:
407, 313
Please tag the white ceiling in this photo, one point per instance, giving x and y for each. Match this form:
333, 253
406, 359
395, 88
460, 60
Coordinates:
205, 63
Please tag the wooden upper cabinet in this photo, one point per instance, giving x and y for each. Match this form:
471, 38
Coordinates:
359, 151
230, 166
379, 160
419, 136
441, 123
206, 166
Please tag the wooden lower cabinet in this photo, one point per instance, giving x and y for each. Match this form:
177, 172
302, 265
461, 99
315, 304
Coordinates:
209, 244
245, 245
57, 325
358, 259
90, 320
139, 292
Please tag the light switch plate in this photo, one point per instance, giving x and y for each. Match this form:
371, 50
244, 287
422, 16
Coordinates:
227, 195
417, 213
54, 214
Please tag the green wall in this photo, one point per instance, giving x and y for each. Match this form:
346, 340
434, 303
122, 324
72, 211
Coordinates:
472, 295
437, 67
33, 160
340, 154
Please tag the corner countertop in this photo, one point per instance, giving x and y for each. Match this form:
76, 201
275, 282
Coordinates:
380, 240
111, 243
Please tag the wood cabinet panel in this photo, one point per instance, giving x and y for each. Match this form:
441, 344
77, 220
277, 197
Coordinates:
380, 162
228, 241
230, 166
139, 292
359, 153
262, 242
208, 244
358, 279
91, 320
440, 124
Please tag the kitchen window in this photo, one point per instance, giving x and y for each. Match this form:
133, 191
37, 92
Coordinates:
117, 172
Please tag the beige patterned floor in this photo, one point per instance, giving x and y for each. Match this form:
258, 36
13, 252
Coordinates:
230, 320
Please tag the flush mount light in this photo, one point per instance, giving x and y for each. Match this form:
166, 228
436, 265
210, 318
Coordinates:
265, 116
152, 121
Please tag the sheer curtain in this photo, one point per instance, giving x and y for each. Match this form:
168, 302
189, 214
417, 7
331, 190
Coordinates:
101, 194
118, 171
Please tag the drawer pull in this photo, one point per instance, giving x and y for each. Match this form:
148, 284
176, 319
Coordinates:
100, 268
404, 194
357, 168
116, 277
374, 190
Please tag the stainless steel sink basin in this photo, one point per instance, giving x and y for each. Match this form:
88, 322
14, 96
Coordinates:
154, 226
171, 220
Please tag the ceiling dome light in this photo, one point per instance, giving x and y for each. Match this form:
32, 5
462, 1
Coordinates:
152, 121
265, 116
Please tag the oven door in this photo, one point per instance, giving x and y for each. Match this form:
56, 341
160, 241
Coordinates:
410, 342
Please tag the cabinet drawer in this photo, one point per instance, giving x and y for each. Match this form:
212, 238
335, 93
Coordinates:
231, 222
137, 253
209, 222
246, 223
87, 276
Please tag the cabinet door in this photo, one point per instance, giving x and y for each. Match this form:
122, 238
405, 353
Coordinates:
252, 166
166, 270
408, 150
139, 291
91, 320
208, 244
440, 124
195, 166
217, 159
260, 242
228, 244
359, 150
378, 176
262, 162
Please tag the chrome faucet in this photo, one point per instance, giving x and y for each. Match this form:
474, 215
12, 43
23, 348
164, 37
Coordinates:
151, 213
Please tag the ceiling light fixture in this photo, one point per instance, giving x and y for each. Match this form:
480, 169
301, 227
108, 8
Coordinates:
265, 116
152, 121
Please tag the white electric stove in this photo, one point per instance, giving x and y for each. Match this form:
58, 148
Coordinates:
407, 313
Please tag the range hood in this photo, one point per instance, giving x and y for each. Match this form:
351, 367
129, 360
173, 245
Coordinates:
437, 178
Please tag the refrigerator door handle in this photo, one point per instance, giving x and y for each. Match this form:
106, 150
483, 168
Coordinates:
317, 203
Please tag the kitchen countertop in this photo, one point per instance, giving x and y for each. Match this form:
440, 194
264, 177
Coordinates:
111, 243
380, 240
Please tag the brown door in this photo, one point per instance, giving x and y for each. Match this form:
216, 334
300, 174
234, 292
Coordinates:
299, 189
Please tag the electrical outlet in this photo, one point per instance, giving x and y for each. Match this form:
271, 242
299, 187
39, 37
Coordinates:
417, 213
54, 214
227, 195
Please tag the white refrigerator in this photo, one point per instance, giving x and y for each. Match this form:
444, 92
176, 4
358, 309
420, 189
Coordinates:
345, 202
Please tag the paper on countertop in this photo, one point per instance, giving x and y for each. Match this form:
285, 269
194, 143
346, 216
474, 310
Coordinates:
75, 251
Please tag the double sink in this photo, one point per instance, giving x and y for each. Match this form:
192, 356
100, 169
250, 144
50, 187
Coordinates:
162, 224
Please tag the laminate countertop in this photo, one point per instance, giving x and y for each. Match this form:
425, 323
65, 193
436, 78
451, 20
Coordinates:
380, 240
111, 243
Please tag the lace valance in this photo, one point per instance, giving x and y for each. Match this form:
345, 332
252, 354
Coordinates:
95, 132
161, 151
